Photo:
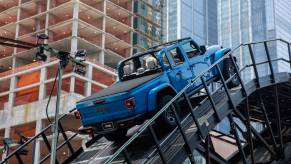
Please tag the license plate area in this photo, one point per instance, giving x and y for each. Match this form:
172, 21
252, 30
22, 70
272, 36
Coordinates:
107, 125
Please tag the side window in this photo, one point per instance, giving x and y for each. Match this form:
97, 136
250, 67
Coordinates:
190, 49
176, 56
165, 60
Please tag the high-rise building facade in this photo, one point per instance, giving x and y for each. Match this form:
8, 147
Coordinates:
148, 24
242, 21
110, 30
191, 18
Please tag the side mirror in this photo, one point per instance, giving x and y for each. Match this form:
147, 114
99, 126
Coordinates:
203, 49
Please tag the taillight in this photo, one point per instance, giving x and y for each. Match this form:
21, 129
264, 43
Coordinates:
130, 103
77, 115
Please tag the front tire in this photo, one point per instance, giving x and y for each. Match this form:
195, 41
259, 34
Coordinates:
117, 135
167, 118
228, 71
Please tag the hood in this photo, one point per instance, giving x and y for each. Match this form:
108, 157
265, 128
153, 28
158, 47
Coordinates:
123, 86
212, 49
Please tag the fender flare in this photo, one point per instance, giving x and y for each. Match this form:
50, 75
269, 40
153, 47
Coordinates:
152, 95
219, 54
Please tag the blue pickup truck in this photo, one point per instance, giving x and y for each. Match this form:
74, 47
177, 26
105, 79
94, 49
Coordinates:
145, 83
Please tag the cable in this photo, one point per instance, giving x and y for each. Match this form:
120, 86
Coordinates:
46, 109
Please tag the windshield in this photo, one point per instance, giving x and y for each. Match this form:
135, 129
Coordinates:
138, 66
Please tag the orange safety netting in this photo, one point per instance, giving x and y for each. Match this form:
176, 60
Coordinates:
31, 94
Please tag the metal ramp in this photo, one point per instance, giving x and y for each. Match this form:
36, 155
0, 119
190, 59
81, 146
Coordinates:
263, 99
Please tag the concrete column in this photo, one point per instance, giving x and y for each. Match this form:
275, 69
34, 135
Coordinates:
12, 83
89, 75
41, 97
131, 33
72, 85
102, 54
74, 40
16, 34
42, 90
9, 109
38, 6
46, 31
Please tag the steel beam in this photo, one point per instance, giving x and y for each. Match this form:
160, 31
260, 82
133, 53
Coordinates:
249, 132
278, 118
269, 61
187, 144
157, 144
238, 141
267, 120
254, 65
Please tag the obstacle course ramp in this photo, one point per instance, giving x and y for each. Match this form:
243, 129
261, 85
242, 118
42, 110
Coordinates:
257, 113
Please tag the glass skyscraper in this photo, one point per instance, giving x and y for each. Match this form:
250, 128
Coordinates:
191, 18
242, 21
148, 24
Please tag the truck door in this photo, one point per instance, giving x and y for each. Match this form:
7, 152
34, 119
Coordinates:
180, 72
198, 62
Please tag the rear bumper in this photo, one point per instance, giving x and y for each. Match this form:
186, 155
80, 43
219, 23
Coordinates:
105, 127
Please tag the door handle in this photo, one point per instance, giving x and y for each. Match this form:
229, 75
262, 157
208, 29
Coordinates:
179, 73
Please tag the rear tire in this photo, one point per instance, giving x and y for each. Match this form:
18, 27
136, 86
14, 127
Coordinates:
228, 71
167, 118
117, 135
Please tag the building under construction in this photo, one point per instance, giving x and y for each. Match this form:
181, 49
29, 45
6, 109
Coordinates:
110, 30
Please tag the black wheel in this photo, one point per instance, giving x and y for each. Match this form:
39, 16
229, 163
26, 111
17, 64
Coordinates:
167, 119
228, 71
118, 135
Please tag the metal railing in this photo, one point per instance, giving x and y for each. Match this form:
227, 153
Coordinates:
183, 93
42, 135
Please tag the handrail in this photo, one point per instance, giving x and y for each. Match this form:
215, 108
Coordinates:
271, 40
264, 62
151, 121
21, 147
